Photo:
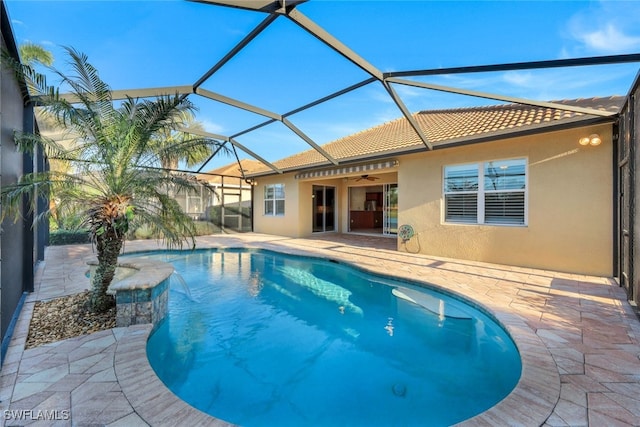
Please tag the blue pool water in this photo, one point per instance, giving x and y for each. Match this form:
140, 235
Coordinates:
258, 338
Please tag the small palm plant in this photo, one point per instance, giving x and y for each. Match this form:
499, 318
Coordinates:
116, 178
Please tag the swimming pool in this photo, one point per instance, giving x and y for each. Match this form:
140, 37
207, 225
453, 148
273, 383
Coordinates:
260, 338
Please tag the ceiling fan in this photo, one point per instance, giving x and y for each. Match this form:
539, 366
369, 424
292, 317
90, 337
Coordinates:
367, 177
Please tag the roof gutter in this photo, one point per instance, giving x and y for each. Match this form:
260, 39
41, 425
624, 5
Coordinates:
492, 137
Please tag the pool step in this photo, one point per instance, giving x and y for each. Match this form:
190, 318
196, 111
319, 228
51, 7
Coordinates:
431, 303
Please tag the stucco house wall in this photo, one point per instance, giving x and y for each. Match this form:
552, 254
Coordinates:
18, 239
569, 204
291, 223
570, 216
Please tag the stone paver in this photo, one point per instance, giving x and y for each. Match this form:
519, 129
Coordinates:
578, 338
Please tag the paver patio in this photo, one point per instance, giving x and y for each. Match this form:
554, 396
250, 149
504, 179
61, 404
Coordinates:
578, 336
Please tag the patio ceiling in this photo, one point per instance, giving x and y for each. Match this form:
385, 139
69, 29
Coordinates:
390, 82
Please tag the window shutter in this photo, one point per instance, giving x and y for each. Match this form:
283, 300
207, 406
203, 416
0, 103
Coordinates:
504, 208
495, 196
461, 207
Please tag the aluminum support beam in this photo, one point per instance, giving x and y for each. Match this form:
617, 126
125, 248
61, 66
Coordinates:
211, 157
236, 49
335, 44
138, 93
238, 104
318, 32
233, 142
514, 66
407, 114
513, 99
251, 129
275, 8
309, 141
311, 104
235, 153
330, 97
268, 6
271, 115
254, 155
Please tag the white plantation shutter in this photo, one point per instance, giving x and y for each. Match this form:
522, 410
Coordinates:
461, 208
504, 208
461, 193
496, 196
505, 186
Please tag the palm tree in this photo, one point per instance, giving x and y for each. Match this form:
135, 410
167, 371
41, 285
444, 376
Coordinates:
116, 179
191, 156
32, 53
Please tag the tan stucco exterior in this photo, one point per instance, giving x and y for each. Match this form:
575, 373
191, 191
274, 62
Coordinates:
288, 224
569, 199
570, 193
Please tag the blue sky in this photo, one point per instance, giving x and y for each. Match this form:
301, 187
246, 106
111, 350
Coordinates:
144, 44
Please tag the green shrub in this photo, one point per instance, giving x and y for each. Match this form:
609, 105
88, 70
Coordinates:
204, 228
68, 237
143, 232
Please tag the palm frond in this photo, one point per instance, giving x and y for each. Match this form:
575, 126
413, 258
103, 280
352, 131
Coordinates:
36, 82
111, 175
154, 214
32, 186
27, 142
192, 149
32, 53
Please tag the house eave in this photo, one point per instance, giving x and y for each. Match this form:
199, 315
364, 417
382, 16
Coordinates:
500, 135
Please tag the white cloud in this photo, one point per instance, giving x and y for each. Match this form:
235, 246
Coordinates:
405, 91
608, 39
552, 84
564, 53
210, 126
604, 27
518, 78
380, 96
17, 22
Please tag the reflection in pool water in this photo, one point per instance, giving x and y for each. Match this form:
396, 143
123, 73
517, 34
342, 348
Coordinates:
268, 339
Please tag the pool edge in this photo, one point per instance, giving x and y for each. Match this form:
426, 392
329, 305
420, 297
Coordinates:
531, 402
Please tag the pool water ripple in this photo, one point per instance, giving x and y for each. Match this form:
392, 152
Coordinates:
271, 339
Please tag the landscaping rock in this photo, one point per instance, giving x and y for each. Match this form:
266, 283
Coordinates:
66, 317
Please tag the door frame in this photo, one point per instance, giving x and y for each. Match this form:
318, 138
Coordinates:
317, 209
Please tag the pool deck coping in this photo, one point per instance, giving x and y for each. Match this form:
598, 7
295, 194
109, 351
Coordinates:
577, 335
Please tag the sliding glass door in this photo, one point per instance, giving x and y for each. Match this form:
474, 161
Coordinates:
390, 209
323, 208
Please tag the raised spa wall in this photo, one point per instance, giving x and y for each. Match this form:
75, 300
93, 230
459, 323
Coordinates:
141, 290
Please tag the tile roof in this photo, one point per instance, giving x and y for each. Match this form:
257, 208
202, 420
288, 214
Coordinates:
444, 127
232, 170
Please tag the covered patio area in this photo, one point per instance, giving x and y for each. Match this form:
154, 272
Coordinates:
578, 338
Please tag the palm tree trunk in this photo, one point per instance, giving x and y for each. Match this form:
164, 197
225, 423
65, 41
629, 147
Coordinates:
108, 245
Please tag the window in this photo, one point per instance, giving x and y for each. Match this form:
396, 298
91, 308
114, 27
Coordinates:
274, 199
486, 193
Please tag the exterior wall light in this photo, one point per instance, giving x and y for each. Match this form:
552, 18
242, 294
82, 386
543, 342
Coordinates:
593, 139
